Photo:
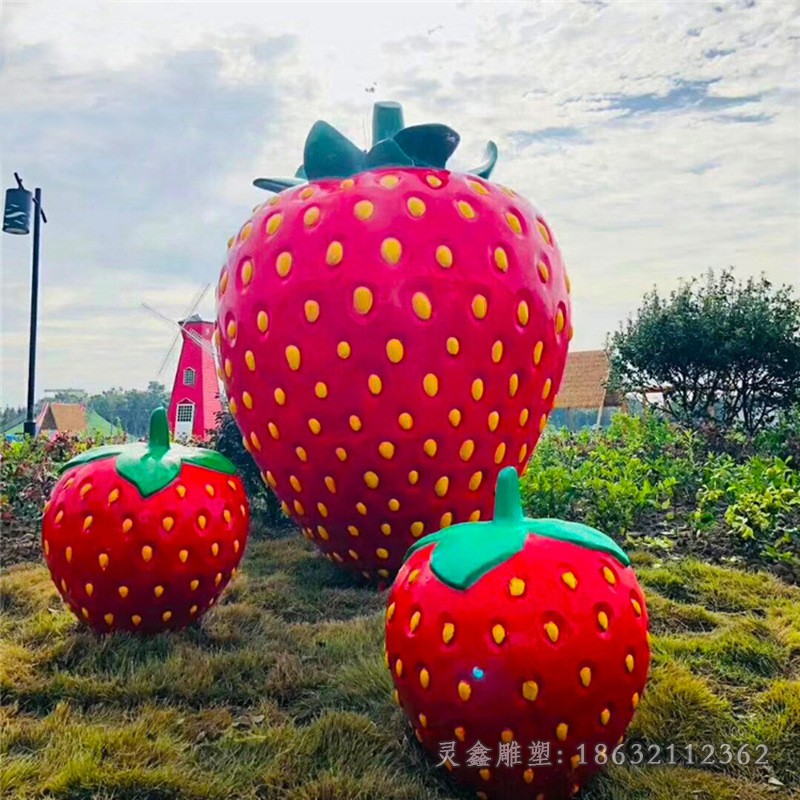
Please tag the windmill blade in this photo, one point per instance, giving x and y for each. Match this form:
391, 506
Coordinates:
190, 334
196, 300
193, 335
168, 355
156, 313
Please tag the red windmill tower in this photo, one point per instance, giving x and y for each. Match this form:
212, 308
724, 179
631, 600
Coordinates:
195, 400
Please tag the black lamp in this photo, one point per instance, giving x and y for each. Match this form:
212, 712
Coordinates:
17, 220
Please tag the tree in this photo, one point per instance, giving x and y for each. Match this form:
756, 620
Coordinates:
68, 396
10, 414
724, 351
130, 407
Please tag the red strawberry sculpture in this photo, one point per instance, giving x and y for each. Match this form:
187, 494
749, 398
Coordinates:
144, 537
391, 335
526, 638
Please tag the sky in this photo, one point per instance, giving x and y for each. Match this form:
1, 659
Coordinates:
659, 139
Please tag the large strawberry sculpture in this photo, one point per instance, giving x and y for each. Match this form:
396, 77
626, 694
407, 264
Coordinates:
518, 642
144, 537
391, 335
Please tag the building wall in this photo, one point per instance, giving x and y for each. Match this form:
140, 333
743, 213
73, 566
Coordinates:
204, 393
577, 418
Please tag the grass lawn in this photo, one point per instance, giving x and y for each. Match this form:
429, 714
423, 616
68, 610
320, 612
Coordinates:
281, 692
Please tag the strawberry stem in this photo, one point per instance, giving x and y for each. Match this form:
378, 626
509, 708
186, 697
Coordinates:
387, 120
507, 501
159, 432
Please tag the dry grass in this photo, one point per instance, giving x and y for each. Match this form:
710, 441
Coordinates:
281, 693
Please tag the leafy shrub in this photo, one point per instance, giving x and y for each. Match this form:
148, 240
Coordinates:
613, 479
783, 438
227, 439
643, 474
759, 501
28, 472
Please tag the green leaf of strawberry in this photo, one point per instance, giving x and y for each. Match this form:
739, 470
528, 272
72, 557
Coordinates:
464, 553
330, 154
153, 465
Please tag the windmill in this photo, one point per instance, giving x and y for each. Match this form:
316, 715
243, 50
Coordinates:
195, 399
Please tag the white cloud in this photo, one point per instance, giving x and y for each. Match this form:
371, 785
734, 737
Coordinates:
659, 140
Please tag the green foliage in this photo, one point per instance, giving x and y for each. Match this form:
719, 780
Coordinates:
646, 478
783, 438
614, 479
227, 439
130, 408
727, 351
759, 501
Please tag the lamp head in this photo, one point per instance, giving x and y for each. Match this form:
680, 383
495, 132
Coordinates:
17, 213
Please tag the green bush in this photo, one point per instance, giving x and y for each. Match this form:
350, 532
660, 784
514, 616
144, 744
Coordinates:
759, 500
783, 438
614, 479
646, 475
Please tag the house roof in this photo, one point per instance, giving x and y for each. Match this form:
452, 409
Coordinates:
67, 417
584, 381
195, 318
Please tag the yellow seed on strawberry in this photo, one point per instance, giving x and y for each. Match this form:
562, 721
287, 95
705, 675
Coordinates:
514, 223
480, 306
391, 250
570, 579
416, 207
552, 631
362, 299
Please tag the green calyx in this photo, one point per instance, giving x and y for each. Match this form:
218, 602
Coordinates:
153, 465
464, 553
330, 154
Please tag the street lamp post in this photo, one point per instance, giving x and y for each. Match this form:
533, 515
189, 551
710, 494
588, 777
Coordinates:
16, 220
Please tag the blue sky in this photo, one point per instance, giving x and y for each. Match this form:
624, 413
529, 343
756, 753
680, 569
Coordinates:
658, 138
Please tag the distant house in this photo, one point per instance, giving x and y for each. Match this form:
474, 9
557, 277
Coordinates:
583, 400
67, 418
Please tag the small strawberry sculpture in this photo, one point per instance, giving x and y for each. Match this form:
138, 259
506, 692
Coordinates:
391, 335
523, 637
144, 537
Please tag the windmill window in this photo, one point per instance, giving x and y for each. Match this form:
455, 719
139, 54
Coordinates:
189, 377
185, 412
